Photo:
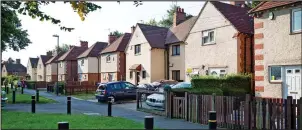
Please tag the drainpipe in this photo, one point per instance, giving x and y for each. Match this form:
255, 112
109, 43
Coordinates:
167, 63
98, 67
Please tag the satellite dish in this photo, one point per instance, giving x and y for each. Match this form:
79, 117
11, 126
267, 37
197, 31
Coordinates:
271, 15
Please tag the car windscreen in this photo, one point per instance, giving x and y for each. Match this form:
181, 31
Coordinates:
102, 87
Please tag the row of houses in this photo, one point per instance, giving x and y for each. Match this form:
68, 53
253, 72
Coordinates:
222, 39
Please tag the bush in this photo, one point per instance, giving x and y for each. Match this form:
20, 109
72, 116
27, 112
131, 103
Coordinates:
234, 84
203, 91
31, 84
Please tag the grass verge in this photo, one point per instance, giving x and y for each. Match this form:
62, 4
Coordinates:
12, 120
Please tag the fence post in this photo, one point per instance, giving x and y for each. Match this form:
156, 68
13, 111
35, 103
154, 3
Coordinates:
37, 94
171, 104
288, 118
187, 106
63, 126
213, 102
68, 105
109, 108
212, 120
149, 122
33, 104
14, 96
247, 112
299, 114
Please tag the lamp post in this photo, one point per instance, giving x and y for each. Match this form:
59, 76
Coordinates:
57, 49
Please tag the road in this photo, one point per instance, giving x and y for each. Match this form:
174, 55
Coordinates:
121, 110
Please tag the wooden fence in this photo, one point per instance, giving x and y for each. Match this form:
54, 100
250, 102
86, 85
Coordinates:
237, 112
74, 89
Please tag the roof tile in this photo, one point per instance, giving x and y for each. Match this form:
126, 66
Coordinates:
119, 44
156, 36
271, 4
94, 50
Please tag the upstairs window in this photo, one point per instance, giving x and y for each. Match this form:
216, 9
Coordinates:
82, 62
296, 20
208, 37
137, 49
108, 58
175, 50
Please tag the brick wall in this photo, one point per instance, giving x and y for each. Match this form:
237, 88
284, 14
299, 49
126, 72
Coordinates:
71, 71
122, 66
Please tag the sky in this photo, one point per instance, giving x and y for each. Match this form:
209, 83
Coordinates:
112, 16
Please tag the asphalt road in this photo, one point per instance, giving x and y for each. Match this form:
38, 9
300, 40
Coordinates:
126, 110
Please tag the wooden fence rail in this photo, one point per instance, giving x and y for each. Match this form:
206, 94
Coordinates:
237, 112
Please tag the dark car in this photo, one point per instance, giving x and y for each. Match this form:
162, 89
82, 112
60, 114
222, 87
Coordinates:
115, 91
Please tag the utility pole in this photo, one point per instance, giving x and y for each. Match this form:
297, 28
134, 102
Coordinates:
57, 86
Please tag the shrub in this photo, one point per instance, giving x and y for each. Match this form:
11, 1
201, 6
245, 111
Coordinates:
31, 84
233, 84
203, 91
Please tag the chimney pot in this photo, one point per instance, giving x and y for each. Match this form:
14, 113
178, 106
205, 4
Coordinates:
179, 16
182, 10
49, 53
18, 61
132, 29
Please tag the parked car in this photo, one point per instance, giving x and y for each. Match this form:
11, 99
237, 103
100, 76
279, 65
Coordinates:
119, 90
157, 100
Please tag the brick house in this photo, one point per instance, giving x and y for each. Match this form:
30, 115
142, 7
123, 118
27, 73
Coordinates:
113, 59
278, 49
145, 54
68, 62
13, 68
32, 68
41, 68
220, 41
88, 63
52, 68
176, 46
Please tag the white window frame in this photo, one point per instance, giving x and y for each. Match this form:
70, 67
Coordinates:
61, 64
104, 76
108, 58
292, 20
208, 32
270, 73
219, 73
82, 62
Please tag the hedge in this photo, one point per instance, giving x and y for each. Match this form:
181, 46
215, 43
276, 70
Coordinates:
31, 84
235, 84
203, 91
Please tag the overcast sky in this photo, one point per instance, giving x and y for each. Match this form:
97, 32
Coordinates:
112, 16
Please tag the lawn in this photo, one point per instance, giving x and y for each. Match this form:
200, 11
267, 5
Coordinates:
85, 96
26, 98
12, 120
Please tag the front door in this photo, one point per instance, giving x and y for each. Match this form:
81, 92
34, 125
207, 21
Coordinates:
110, 77
137, 77
293, 81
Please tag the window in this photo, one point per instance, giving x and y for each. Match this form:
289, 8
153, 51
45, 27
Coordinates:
208, 37
104, 76
85, 76
296, 20
127, 85
275, 73
175, 50
82, 62
219, 72
131, 74
137, 49
61, 64
116, 86
176, 75
108, 58
222, 73
144, 74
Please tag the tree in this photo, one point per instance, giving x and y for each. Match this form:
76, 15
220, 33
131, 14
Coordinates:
14, 37
116, 33
63, 48
152, 22
253, 4
167, 21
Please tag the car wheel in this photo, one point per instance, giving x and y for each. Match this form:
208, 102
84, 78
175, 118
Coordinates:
112, 99
143, 97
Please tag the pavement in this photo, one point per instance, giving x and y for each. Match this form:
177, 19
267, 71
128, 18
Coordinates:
126, 110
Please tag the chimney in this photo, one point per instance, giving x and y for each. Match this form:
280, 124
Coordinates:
84, 44
238, 3
49, 53
132, 29
111, 38
70, 46
179, 16
18, 61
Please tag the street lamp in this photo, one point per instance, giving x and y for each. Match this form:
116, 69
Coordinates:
57, 49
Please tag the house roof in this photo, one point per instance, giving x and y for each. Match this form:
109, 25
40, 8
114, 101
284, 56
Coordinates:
119, 44
54, 58
12, 67
72, 53
94, 50
45, 58
180, 32
156, 36
236, 15
33, 62
270, 4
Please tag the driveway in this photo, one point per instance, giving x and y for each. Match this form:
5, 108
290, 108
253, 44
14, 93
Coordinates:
120, 110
